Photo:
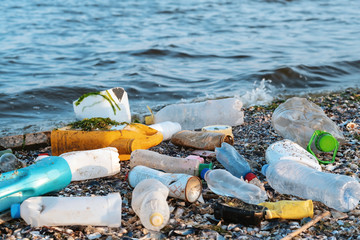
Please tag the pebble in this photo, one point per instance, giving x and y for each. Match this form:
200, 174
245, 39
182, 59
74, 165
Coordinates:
93, 236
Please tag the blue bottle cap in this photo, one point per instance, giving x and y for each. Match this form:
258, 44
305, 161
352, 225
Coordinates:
15, 210
264, 168
203, 172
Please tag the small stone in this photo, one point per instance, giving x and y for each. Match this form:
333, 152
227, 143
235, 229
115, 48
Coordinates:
145, 231
341, 223
69, 231
338, 215
94, 236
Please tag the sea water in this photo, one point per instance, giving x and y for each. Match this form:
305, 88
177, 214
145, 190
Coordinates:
164, 52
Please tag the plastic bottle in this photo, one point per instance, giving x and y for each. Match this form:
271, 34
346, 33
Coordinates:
167, 129
131, 137
149, 203
47, 175
297, 119
2, 152
226, 129
112, 103
9, 162
224, 183
91, 164
337, 191
200, 140
289, 150
289, 209
166, 163
182, 186
63, 211
193, 116
233, 162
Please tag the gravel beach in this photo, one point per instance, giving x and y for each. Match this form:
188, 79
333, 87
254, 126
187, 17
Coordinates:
196, 220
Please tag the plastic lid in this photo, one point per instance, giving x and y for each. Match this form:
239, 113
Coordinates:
15, 210
326, 143
249, 176
156, 219
203, 166
264, 168
203, 172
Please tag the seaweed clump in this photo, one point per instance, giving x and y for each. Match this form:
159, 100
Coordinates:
89, 124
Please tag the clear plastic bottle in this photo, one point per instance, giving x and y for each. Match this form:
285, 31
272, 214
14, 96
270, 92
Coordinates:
90, 164
297, 119
9, 162
192, 116
166, 163
233, 161
337, 191
224, 183
62, 211
149, 203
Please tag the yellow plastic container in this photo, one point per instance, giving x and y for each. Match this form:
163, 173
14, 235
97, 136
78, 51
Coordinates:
131, 137
288, 209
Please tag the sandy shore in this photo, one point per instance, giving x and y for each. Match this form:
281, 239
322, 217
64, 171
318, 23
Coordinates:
196, 220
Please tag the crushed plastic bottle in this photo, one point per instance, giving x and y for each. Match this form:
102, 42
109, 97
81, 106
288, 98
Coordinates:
90, 164
200, 140
337, 191
9, 162
151, 159
182, 186
193, 116
233, 161
223, 183
149, 203
289, 150
46, 175
289, 209
65, 211
297, 119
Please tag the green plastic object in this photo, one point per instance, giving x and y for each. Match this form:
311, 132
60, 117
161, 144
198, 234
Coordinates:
324, 142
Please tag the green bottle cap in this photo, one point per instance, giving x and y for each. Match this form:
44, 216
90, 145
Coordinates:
203, 166
326, 142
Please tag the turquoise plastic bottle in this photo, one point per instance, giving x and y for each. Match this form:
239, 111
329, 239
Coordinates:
47, 175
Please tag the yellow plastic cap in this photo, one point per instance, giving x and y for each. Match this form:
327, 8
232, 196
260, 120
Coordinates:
156, 219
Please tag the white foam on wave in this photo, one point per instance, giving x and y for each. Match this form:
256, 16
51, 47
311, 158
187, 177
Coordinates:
260, 95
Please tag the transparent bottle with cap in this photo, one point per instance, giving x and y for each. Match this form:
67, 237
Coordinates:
306, 123
223, 183
231, 159
149, 203
337, 191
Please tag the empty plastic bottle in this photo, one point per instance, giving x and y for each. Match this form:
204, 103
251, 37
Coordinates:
46, 175
151, 159
234, 162
337, 191
193, 116
167, 129
224, 183
297, 119
289, 150
63, 211
149, 203
90, 164
9, 162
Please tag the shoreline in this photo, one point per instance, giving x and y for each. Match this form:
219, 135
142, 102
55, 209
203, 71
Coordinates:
194, 220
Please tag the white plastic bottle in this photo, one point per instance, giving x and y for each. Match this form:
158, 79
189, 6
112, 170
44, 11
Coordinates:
149, 203
151, 159
112, 103
192, 116
337, 191
297, 119
167, 128
65, 211
232, 160
289, 150
224, 183
96, 163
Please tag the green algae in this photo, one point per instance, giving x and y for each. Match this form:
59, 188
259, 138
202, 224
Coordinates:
89, 124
